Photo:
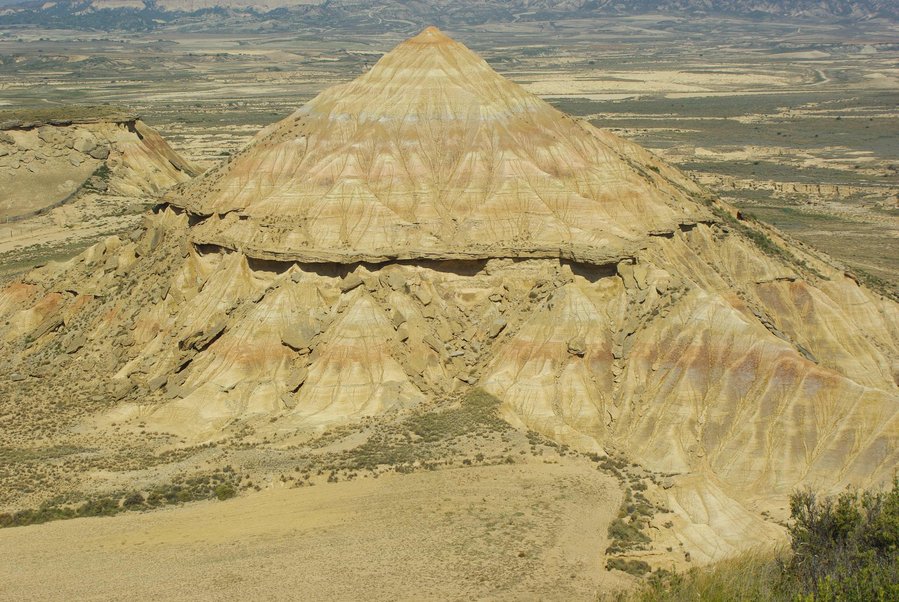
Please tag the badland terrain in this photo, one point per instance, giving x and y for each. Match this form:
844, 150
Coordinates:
444, 318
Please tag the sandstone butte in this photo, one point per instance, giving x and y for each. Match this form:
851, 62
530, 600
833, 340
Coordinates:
46, 162
431, 227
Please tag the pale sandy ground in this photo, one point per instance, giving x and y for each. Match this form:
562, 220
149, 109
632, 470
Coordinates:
42, 230
523, 532
64, 231
589, 84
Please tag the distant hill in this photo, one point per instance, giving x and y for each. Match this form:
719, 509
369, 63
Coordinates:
400, 16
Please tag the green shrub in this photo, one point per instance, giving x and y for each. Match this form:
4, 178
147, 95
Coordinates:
637, 568
225, 491
221, 485
620, 531
843, 549
847, 547
135, 499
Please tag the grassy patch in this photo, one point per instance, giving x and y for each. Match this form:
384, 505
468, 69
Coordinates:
754, 576
426, 436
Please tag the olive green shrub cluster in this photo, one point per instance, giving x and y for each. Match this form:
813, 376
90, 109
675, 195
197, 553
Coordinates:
221, 484
842, 549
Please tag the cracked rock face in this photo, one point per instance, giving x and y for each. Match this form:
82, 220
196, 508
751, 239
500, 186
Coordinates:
45, 165
431, 227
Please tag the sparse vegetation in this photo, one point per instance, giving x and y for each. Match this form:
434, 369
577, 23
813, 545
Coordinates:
222, 484
749, 227
625, 535
638, 568
426, 437
626, 532
878, 284
759, 238
843, 549
103, 172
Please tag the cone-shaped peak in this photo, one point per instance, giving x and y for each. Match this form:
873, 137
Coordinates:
431, 35
432, 77
433, 154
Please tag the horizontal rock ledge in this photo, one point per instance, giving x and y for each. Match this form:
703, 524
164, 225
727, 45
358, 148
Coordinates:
590, 256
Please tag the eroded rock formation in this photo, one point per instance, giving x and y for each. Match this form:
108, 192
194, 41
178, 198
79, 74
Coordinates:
44, 163
431, 227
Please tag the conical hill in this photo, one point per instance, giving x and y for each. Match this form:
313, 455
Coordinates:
432, 154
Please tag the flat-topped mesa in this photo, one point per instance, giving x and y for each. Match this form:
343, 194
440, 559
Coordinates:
432, 154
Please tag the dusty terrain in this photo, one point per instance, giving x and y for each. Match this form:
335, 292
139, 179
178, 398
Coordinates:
135, 374
72, 176
534, 531
48, 157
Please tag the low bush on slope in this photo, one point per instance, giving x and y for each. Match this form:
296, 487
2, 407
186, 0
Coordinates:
844, 549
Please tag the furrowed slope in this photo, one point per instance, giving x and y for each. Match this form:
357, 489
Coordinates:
430, 228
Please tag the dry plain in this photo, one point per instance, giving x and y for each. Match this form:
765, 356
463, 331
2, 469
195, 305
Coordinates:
445, 535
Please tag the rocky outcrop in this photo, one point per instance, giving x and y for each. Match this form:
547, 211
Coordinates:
45, 163
815, 191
